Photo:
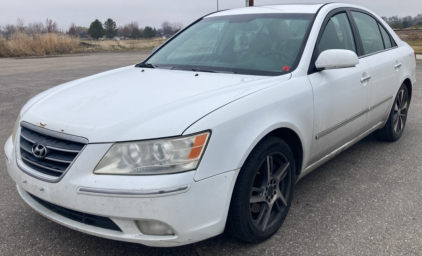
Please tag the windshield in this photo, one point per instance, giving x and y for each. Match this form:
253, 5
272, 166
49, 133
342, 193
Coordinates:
255, 44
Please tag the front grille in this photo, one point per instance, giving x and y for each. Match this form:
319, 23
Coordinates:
60, 152
85, 218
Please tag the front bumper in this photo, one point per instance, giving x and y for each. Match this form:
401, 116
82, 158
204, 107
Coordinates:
196, 212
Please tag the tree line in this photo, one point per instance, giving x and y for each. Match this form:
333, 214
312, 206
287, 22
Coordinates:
403, 22
49, 26
109, 28
96, 30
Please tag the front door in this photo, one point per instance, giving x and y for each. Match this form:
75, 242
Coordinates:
341, 97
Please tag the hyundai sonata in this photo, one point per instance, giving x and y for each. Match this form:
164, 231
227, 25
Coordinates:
211, 132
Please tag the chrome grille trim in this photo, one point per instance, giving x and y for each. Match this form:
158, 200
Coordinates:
25, 138
58, 160
62, 151
22, 147
41, 166
49, 158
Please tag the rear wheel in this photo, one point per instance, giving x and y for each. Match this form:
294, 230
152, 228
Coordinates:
396, 122
263, 192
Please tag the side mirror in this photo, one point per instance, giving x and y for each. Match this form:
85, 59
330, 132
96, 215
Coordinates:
336, 59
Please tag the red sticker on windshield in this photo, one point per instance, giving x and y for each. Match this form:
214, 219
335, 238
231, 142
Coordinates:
286, 68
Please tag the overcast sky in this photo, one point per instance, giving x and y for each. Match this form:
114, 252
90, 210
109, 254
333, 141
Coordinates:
154, 12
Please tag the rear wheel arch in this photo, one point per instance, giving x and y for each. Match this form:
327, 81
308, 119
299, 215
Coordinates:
408, 84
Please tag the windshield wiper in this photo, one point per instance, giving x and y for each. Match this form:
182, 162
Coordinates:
211, 71
145, 65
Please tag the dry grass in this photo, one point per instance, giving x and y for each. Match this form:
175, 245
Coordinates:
123, 45
416, 45
21, 45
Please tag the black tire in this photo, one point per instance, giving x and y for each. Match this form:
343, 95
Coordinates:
394, 127
259, 190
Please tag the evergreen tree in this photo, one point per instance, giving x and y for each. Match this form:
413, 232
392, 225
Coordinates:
148, 32
110, 28
96, 29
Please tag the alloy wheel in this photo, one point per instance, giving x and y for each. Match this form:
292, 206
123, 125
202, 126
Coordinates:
400, 111
270, 191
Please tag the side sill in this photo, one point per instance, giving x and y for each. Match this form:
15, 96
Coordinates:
326, 158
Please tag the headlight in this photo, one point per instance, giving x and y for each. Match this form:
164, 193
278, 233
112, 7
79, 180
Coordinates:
154, 156
15, 130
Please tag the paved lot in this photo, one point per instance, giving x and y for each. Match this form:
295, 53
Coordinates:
368, 200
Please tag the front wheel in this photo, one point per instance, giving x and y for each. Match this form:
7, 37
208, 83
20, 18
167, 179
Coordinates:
263, 192
394, 127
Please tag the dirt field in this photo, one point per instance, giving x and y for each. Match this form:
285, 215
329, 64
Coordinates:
410, 34
24, 45
413, 37
122, 45
417, 46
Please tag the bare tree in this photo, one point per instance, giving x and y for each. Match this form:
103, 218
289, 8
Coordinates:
133, 25
160, 32
167, 28
51, 26
30, 28
9, 29
82, 32
38, 27
177, 26
72, 30
136, 33
35, 28
20, 25
120, 31
126, 31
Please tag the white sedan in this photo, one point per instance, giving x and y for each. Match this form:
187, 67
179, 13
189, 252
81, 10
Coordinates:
211, 132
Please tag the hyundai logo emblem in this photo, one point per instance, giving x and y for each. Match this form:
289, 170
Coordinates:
39, 151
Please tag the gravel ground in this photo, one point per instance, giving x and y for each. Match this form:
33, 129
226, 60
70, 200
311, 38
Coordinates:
366, 201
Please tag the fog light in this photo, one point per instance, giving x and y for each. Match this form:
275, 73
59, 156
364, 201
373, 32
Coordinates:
154, 228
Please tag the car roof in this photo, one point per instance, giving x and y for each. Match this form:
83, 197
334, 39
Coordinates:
283, 8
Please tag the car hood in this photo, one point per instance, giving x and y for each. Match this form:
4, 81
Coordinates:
133, 104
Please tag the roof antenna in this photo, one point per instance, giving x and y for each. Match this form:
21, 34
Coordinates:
217, 5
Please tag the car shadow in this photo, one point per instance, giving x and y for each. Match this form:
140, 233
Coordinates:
333, 175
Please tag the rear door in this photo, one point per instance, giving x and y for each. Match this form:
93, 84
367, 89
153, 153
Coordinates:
385, 61
341, 99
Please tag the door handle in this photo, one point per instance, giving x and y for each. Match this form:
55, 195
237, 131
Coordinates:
397, 65
364, 79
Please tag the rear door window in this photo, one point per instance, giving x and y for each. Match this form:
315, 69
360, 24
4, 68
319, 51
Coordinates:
386, 38
369, 32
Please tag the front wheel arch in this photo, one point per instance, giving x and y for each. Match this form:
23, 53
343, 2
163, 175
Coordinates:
293, 140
